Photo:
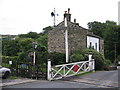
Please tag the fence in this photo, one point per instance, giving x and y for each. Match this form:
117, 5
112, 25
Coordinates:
26, 69
71, 69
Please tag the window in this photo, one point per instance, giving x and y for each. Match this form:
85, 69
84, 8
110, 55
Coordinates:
96, 46
90, 44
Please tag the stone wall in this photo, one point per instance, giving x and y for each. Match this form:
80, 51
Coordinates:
76, 38
56, 41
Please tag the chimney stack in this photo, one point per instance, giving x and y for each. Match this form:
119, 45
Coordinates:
67, 15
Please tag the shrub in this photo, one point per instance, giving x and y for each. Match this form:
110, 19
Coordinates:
57, 58
99, 59
23, 56
41, 57
79, 55
9, 58
83, 55
76, 57
118, 59
6, 59
107, 64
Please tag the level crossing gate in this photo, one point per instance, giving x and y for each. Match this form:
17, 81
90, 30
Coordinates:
70, 69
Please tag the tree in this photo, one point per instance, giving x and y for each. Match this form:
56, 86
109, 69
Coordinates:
46, 29
110, 32
97, 28
10, 47
32, 35
42, 40
25, 44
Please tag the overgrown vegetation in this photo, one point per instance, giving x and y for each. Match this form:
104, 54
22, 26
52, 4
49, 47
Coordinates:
57, 58
110, 32
21, 49
82, 55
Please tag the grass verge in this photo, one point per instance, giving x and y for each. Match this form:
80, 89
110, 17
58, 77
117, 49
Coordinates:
83, 73
12, 77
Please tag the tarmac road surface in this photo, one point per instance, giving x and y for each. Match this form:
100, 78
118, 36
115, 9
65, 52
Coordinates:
99, 79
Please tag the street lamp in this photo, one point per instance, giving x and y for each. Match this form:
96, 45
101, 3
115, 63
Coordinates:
34, 46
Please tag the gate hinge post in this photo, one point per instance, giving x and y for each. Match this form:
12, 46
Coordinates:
49, 70
90, 59
93, 65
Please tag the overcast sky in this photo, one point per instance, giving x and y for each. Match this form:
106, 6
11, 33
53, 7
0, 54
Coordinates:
23, 16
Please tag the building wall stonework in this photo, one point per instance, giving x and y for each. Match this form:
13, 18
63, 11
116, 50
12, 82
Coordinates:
56, 41
77, 38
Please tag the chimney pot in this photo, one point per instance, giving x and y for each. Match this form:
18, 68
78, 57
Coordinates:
67, 15
74, 20
68, 10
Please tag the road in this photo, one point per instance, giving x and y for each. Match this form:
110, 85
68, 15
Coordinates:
99, 79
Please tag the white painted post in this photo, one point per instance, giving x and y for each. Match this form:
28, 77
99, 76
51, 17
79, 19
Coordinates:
49, 70
93, 65
90, 63
66, 41
34, 58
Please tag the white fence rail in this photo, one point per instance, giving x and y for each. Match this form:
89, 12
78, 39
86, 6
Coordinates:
71, 69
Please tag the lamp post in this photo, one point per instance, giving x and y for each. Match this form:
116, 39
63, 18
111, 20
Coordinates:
34, 46
66, 41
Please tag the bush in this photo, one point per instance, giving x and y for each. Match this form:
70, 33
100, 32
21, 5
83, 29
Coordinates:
76, 58
118, 59
41, 57
9, 58
78, 55
57, 58
83, 55
99, 59
107, 64
23, 56
6, 59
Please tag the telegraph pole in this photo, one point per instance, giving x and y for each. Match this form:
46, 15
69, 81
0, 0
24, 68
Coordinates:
53, 14
115, 54
54, 21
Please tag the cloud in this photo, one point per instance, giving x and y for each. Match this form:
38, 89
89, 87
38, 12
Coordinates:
22, 16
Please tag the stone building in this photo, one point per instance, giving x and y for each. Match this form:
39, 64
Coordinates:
78, 37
